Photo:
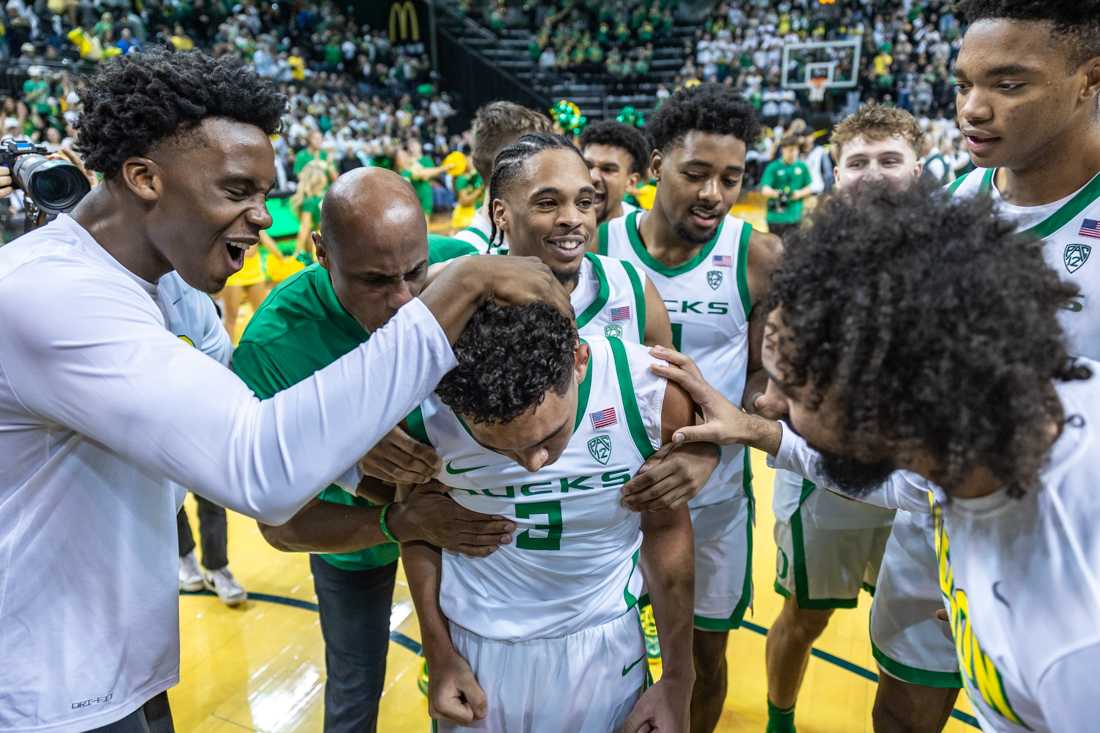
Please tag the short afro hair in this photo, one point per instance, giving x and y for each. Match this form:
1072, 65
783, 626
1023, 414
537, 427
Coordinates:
134, 102
618, 135
509, 357
933, 324
709, 107
877, 122
1077, 21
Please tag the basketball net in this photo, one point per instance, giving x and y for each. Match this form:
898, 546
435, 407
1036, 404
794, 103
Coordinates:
817, 88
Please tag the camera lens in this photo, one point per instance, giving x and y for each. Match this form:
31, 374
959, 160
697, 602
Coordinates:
55, 185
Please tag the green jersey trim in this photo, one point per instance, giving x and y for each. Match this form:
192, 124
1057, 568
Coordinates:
630, 403
656, 265
601, 239
1069, 211
415, 423
583, 391
631, 601
954, 185
602, 294
987, 181
639, 297
743, 269
915, 675
482, 235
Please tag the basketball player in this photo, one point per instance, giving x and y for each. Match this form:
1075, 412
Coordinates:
1028, 76
496, 126
952, 390
543, 634
543, 204
829, 546
618, 158
711, 269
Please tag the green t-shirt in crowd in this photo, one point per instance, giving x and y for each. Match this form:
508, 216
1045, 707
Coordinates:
304, 158
301, 328
423, 188
790, 178
472, 180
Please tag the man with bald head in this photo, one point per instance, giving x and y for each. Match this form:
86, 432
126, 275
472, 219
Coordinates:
372, 259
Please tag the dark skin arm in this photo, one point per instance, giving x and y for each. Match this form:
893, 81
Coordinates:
425, 513
658, 327
667, 564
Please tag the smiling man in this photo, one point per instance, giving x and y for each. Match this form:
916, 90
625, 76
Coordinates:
618, 158
710, 269
917, 341
104, 411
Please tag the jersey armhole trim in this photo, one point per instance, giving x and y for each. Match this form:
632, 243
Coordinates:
415, 423
601, 239
954, 185
639, 297
602, 294
743, 269
630, 404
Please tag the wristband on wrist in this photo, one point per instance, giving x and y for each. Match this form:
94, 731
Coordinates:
384, 527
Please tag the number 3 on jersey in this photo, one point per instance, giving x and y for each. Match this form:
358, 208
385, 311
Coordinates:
552, 511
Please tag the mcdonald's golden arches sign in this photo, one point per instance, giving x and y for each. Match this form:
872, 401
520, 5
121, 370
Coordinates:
404, 23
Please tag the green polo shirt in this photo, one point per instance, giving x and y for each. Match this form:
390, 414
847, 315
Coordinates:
300, 329
793, 177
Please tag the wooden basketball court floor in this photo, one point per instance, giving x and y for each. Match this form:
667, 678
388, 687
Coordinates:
261, 666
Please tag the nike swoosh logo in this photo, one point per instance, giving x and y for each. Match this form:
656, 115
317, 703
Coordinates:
632, 665
456, 471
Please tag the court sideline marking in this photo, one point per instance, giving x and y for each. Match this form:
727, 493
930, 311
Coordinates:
414, 646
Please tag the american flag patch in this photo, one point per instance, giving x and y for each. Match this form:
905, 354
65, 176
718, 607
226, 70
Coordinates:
621, 313
603, 418
721, 261
1090, 228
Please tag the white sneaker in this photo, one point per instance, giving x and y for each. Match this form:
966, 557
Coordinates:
225, 585
190, 575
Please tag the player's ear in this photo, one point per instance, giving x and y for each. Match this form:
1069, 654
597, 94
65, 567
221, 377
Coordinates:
322, 250
1092, 80
144, 178
580, 360
500, 214
655, 161
632, 180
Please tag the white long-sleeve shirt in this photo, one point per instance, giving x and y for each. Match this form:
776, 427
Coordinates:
102, 409
1020, 578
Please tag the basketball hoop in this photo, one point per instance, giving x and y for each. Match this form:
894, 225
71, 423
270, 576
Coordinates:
817, 88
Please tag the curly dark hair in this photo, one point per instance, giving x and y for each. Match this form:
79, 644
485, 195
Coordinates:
509, 357
509, 162
627, 137
1078, 21
933, 323
134, 102
709, 107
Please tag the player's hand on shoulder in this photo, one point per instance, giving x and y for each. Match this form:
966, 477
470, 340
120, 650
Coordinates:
724, 423
671, 477
401, 459
453, 692
428, 514
663, 708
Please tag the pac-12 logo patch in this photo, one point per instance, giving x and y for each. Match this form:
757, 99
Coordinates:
1075, 256
613, 330
599, 448
714, 279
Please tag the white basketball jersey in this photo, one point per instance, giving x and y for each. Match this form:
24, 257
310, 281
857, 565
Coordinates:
573, 560
1021, 577
478, 233
1070, 230
708, 303
609, 299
